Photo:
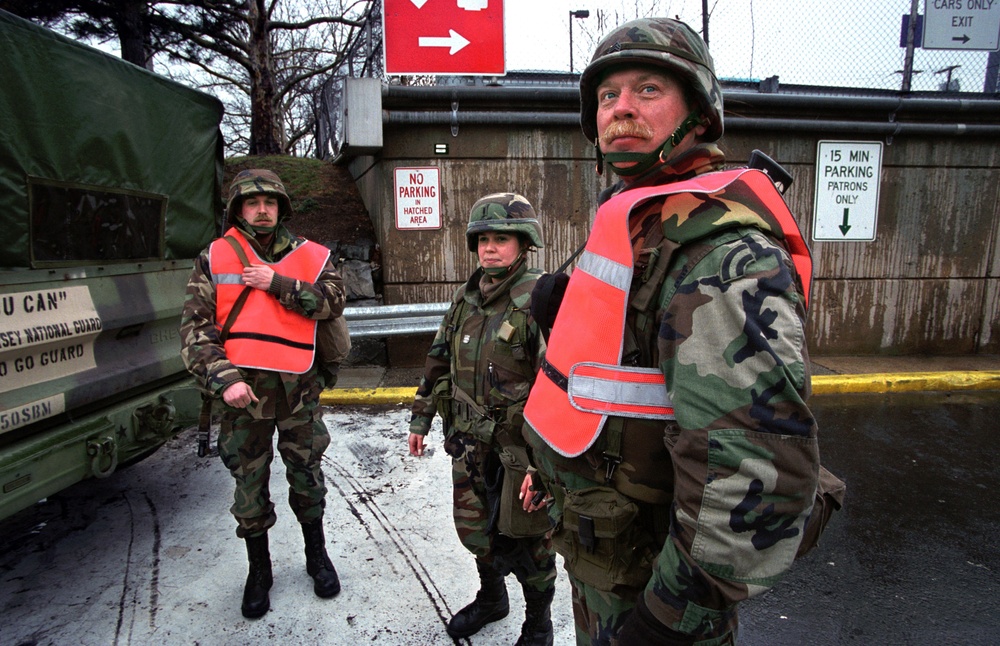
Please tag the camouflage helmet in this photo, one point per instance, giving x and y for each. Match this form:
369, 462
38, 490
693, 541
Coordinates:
507, 212
254, 181
662, 42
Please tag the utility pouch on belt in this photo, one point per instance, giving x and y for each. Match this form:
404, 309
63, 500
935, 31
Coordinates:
601, 541
469, 417
514, 521
830, 494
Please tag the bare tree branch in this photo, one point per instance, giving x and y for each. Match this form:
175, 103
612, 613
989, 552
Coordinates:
265, 59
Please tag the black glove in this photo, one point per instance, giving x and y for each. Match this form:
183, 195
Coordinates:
642, 629
546, 297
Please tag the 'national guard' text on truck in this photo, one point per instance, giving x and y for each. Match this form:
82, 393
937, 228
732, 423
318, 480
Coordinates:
109, 185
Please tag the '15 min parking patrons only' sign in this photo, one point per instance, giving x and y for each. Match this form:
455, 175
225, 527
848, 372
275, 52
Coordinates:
848, 177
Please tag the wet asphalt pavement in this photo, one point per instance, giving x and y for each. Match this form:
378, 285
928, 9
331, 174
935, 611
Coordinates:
914, 556
149, 555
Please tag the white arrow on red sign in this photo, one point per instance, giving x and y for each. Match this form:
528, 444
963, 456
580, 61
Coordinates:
454, 40
443, 37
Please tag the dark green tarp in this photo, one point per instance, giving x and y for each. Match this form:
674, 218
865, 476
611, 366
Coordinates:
71, 113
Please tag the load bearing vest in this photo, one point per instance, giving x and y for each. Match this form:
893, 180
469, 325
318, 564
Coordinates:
266, 335
582, 381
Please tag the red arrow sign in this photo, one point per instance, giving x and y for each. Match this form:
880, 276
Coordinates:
443, 37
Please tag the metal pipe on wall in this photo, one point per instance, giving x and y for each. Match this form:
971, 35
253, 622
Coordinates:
556, 95
889, 128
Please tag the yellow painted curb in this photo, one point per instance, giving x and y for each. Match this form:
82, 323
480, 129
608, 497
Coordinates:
878, 382
367, 396
887, 382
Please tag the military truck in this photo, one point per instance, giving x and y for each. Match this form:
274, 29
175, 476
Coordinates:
110, 182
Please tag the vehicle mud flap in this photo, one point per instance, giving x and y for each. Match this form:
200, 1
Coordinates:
204, 425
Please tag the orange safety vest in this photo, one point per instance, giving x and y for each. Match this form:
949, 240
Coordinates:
582, 380
266, 335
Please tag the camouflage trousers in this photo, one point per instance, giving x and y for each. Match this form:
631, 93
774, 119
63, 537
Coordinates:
246, 446
531, 560
598, 615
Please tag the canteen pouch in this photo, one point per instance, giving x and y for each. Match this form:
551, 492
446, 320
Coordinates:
514, 521
830, 494
333, 342
441, 395
480, 428
601, 541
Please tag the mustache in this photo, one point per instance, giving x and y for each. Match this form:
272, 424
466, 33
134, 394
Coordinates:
625, 128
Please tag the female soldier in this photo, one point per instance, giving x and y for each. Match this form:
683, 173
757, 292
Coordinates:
477, 377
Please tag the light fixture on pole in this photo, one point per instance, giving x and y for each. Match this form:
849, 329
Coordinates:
579, 13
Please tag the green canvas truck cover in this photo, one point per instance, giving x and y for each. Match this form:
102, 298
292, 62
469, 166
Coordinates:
71, 113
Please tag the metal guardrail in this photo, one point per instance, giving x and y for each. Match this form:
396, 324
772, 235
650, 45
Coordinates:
394, 320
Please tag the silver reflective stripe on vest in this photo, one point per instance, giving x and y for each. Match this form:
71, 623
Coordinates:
227, 279
606, 270
618, 394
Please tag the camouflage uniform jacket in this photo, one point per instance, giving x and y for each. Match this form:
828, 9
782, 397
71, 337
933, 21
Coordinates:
727, 486
204, 355
489, 347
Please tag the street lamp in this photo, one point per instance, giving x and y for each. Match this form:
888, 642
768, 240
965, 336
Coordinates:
579, 13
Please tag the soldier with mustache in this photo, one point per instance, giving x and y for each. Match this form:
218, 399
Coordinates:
669, 421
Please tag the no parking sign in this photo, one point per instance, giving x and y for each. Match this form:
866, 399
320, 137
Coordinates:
418, 198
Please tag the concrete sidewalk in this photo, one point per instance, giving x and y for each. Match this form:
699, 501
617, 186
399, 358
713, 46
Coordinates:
842, 374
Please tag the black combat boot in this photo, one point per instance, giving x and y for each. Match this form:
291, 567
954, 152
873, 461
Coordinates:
490, 605
537, 627
326, 583
255, 598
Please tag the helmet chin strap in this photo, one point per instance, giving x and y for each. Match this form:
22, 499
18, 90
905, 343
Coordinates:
255, 229
502, 272
645, 161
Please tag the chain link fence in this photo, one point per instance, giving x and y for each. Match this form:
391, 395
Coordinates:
821, 43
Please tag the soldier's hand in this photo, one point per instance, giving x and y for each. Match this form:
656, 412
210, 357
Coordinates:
533, 495
239, 395
416, 442
258, 276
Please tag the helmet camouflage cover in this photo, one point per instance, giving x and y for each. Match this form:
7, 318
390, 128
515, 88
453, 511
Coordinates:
254, 181
662, 42
507, 212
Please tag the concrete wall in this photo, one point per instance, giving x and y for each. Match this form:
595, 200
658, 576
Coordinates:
928, 284
930, 280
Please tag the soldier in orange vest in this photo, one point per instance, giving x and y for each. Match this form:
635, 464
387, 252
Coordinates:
248, 333
669, 420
